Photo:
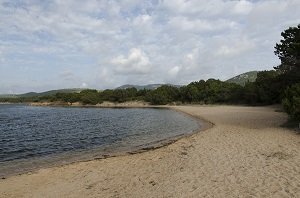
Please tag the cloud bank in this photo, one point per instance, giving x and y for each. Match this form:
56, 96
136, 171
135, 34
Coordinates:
103, 44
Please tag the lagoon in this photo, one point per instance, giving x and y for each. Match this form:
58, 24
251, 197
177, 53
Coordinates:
33, 137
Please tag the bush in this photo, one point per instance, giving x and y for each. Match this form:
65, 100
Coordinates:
291, 101
163, 95
90, 96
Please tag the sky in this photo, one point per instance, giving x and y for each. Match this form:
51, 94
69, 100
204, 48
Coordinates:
103, 44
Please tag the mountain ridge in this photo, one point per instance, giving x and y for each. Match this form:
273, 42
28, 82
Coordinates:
148, 86
243, 78
240, 79
45, 93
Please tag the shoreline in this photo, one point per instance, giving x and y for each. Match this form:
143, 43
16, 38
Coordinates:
73, 157
105, 104
245, 154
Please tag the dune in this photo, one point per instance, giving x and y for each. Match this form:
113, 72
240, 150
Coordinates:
245, 154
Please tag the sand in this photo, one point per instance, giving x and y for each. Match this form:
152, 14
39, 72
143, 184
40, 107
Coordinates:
245, 154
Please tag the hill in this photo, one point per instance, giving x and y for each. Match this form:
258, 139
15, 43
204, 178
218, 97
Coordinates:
8, 96
51, 92
149, 86
243, 78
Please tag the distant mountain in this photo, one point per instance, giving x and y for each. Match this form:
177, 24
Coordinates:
243, 78
239, 79
8, 96
149, 87
52, 92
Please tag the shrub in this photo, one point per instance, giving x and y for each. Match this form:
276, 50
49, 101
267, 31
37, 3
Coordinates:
291, 101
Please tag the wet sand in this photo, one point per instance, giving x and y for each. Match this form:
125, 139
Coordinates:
245, 154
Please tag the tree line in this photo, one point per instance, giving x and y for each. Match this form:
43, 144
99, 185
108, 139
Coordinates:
267, 89
281, 85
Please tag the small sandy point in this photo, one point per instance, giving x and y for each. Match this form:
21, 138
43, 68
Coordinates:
245, 154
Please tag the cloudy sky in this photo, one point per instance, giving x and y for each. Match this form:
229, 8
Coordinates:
106, 43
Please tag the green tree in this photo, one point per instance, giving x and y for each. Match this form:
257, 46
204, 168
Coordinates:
250, 93
288, 51
107, 95
90, 96
212, 91
189, 93
141, 94
291, 101
268, 87
163, 95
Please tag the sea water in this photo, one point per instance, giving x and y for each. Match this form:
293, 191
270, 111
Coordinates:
33, 137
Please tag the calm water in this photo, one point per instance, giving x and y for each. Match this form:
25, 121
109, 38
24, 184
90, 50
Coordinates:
32, 137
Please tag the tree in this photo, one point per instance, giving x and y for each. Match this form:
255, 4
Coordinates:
90, 96
291, 101
288, 51
163, 95
269, 87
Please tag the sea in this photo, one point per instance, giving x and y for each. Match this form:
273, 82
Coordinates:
34, 137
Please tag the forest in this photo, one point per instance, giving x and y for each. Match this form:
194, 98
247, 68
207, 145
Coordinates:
281, 85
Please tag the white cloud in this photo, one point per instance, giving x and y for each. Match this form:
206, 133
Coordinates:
243, 7
106, 78
136, 62
235, 47
67, 75
195, 7
201, 25
1, 57
142, 19
173, 72
84, 85
109, 43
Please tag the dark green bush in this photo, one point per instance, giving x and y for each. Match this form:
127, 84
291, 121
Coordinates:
291, 101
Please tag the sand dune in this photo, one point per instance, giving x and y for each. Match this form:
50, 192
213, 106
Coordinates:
245, 154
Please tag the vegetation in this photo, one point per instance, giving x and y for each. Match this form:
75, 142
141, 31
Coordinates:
254, 88
244, 78
148, 87
205, 92
288, 51
52, 92
163, 95
291, 101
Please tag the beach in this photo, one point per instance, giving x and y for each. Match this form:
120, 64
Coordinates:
246, 153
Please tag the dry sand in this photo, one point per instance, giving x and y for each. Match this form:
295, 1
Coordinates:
245, 154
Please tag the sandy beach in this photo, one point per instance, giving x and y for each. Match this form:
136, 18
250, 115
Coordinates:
245, 154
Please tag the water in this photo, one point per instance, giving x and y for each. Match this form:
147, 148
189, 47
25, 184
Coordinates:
33, 137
